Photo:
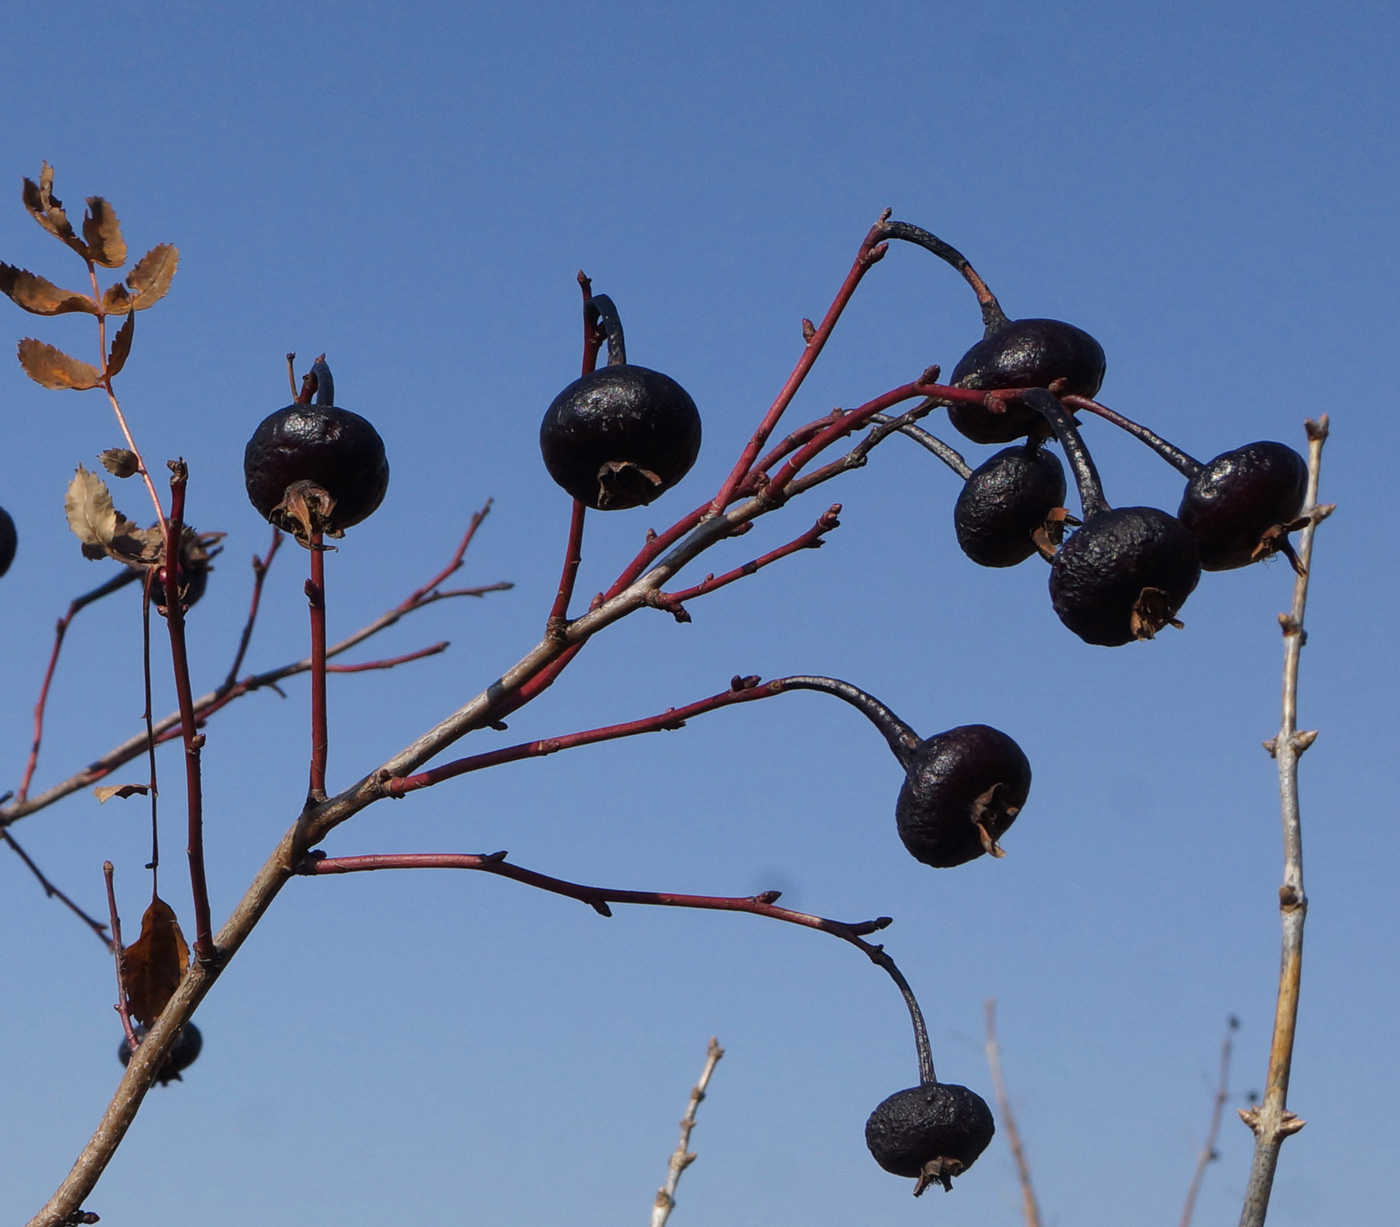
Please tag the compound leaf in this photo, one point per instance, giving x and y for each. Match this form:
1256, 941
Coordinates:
53, 368
39, 296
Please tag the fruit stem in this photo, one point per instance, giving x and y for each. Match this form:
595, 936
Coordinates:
1174, 456
993, 317
902, 739
934, 444
316, 600
612, 326
325, 384
593, 334
1086, 476
573, 556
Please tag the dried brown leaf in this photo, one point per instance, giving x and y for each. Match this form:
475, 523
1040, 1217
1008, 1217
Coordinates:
115, 299
150, 279
47, 210
120, 462
121, 345
154, 963
133, 544
39, 296
88, 504
105, 792
103, 233
53, 368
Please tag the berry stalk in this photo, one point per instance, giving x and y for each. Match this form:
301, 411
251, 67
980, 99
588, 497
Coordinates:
316, 601
993, 317
1186, 465
1086, 476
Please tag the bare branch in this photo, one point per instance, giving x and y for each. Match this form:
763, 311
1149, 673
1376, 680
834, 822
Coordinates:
53, 892
1208, 1153
1271, 1121
683, 1157
1030, 1210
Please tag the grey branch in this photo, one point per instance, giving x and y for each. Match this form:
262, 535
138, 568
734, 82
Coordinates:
1029, 1209
683, 1158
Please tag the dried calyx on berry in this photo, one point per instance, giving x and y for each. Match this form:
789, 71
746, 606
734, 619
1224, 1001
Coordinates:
962, 788
186, 1048
1123, 575
621, 436
313, 468
1028, 353
197, 551
9, 539
1242, 505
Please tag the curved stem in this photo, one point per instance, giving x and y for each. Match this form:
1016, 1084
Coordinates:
612, 326
927, 1077
1086, 476
901, 738
1174, 456
325, 383
934, 444
993, 317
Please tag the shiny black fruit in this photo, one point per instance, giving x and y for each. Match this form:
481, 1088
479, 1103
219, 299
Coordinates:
8, 540
1239, 506
1024, 354
932, 1132
1004, 502
181, 1056
305, 448
962, 791
620, 436
1124, 575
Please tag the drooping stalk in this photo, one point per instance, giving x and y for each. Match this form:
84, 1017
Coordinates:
612, 325
993, 317
1186, 465
901, 738
1086, 476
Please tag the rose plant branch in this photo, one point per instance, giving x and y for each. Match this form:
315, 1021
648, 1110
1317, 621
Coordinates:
1271, 1121
682, 1157
227, 692
1030, 1210
53, 891
1208, 1153
117, 953
260, 567
316, 602
573, 557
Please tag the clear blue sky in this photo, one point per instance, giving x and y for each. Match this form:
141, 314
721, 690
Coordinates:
1210, 191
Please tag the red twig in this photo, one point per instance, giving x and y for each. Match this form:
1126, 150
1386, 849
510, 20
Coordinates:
53, 892
390, 662
147, 716
60, 630
871, 249
594, 333
193, 739
421, 595
320, 737
741, 690
673, 602
260, 566
121, 1006
597, 897
573, 556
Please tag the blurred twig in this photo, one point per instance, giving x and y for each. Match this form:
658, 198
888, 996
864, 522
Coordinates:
1029, 1209
1208, 1152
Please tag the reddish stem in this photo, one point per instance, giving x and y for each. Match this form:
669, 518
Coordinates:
53, 892
260, 566
573, 556
117, 950
61, 630
871, 249
673, 602
147, 718
391, 661
741, 690
320, 738
594, 334
1186, 465
193, 739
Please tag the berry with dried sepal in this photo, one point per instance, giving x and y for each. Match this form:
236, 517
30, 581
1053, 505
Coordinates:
1123, 575
620, 436
9, 539
931, 1132
1006, 502
314, 468
187, 1047
962, 788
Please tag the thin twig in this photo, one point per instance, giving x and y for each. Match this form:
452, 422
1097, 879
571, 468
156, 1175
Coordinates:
320, 738
53, 892
147, 717
1271, 1121
60, 630
391, 661
573, 556
1030, 1211
683, 1157
122, 1007
1208, 1153
260, 566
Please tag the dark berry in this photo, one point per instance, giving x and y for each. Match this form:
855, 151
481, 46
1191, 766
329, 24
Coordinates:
1124, 575
620, 436
1005, 501
961, 792
8, 540
1240, 505
1024, 354
315, 468
181, 1056
931, 1132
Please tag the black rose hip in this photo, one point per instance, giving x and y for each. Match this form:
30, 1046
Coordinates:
931, 1132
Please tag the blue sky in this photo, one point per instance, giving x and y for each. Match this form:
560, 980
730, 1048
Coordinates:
1208, 191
